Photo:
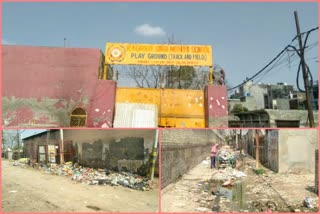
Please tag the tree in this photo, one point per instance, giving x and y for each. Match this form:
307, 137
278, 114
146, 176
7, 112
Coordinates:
145, 76
11, 139
237, 108
181, 77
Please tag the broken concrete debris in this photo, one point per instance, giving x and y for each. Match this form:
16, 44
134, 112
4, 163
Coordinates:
90, 176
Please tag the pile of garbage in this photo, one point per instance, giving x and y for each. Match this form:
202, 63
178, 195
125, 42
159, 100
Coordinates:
227, 174
90, 176
23, 162
225, 155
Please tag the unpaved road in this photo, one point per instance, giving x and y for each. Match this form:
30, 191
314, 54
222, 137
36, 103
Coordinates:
31, 190
180, 196
188, 193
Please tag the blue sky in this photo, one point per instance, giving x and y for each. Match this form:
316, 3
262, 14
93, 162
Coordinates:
244, 36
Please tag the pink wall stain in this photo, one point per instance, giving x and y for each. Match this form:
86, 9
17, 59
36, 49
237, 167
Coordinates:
58, 73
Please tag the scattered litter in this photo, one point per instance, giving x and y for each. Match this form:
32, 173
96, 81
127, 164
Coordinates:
92, 176
202, 209
228, 174
205, 162
21, 162
308, 202
239, 174
227, 183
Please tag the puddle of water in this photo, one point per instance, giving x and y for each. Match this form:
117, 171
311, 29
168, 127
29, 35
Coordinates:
235, 194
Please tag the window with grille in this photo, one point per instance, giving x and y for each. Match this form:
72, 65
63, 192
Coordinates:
78, 117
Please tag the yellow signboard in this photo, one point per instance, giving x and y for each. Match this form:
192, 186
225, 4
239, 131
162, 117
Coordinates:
158, 54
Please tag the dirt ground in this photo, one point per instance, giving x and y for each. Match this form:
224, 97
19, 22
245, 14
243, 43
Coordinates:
31, 190
255, 193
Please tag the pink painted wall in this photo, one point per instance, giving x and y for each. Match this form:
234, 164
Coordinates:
216, 106
42, 85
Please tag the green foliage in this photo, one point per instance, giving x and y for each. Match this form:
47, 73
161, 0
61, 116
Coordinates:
235, 96
259, 171
278, 93
237, 108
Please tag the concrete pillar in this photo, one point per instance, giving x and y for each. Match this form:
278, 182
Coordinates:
102, 104
216, 106
237, 143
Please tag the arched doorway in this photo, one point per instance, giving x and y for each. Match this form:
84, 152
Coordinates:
78, 117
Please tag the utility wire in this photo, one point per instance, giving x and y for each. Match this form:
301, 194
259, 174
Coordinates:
309, 31
275, 58
307, 67
294, 58
259, 72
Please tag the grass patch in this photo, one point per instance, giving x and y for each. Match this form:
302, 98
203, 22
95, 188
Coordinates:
259, 171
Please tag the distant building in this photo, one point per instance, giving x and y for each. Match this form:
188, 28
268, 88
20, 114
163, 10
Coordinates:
273, 118
272, 105
315, 95
268, 96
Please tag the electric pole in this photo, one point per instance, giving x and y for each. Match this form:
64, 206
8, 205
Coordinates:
305, 73
257, 149
241, 141
153, 156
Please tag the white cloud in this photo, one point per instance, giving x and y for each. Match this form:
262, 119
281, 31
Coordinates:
148, 30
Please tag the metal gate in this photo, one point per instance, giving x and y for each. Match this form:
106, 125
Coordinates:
176, 107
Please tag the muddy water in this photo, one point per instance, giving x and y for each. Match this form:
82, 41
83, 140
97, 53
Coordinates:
231, 198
